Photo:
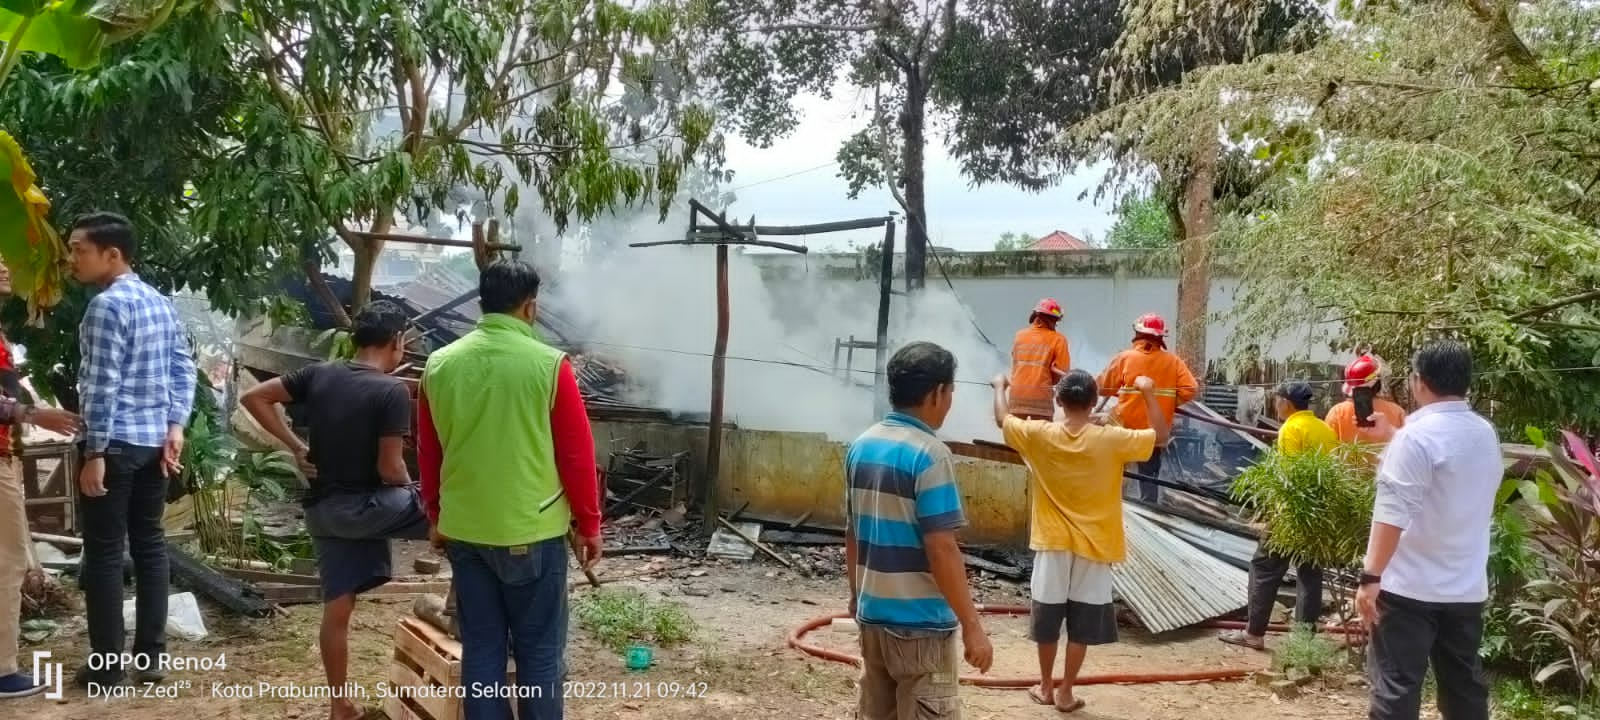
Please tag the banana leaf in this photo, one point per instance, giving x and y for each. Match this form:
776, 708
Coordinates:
77, 30
30, 246
63, 28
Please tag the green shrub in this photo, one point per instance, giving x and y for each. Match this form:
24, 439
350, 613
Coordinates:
1317, 504
1305, 650
618, 618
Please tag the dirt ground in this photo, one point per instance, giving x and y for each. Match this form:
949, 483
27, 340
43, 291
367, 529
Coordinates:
744, 612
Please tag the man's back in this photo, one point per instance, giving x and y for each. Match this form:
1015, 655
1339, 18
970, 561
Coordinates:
1035, 353
349, 406
901, 485
1437, 483
1304, 431
489, 395
1175, 385
1077, 484
132, 341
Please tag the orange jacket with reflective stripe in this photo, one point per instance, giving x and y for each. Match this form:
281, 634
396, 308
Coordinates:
1035, 352
1175, 385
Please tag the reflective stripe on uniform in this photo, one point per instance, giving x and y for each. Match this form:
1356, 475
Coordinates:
1159, 392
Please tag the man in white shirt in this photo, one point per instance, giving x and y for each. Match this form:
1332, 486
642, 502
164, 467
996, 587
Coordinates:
1425, 579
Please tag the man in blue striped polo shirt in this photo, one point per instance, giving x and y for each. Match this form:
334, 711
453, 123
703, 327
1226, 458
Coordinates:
908, 582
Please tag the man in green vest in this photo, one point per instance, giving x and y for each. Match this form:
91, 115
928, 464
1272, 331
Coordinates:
507, 463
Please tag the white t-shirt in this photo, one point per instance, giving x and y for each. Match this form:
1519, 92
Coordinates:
1437, 483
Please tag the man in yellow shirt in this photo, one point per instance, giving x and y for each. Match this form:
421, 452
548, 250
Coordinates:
1302, 431
1076, 468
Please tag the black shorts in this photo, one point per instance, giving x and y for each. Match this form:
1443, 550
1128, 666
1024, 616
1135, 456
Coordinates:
351, 534
1086, 624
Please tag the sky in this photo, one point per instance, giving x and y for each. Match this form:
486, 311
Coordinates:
795, 181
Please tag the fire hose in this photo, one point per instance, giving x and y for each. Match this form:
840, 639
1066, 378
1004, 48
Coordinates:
1354, 637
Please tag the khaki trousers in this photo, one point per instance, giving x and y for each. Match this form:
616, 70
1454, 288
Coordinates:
13, 561
908, 676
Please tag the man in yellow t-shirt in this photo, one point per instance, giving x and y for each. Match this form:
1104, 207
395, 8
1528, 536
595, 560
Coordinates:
1076, 469
1302, 431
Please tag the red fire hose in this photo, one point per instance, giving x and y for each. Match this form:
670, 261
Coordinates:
1354, 638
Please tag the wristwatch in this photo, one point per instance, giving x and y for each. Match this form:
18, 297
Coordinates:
1370, 579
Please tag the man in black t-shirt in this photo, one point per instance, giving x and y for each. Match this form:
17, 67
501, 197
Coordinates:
361, 493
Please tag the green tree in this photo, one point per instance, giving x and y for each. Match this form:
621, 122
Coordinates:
1012, 241
376, 109
1144, 222
768, 51
1452, 194
1026, 74
130, 136
243, 144
76, 33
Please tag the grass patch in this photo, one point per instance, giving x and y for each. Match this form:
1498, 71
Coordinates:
1307, 651
1514, 699
618, 618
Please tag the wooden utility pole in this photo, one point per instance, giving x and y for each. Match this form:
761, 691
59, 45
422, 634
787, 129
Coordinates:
721, 233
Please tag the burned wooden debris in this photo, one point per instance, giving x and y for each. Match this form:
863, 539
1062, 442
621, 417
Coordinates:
634, 478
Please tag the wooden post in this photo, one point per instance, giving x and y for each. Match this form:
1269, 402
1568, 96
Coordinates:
719, 364
880, 377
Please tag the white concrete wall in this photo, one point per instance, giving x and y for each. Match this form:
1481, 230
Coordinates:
1100, 308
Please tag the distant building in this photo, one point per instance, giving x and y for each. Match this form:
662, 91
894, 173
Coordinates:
1059, 240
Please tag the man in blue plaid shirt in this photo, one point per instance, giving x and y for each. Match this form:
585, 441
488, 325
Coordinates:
136, 389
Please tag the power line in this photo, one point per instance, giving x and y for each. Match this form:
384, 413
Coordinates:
797, 173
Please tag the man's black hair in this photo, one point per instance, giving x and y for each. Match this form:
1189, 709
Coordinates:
377, 324
1078, 390
917, 370
1445, 366
108, 230
1297, 392
505, 285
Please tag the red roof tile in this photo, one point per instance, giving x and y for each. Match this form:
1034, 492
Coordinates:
1059, 240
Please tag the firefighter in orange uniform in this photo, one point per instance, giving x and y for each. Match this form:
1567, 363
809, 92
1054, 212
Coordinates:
1039, 358
1363, 375
1175, 385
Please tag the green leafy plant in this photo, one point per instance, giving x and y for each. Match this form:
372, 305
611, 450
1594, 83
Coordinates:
1514, 561
1515, 699
1317, 505
619, 617
341, 344
1563, 605
1305, 650
76, 31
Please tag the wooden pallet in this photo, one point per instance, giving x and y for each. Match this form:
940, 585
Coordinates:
428, 660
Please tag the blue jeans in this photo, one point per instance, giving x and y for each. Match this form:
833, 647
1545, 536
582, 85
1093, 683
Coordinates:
512, 599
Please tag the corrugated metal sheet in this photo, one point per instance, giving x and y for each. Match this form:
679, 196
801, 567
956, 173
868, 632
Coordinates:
1169, 583
1228, 547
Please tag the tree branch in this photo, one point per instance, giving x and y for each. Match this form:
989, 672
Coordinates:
895, 56
946, 32
1533, 312
569, 77
500, 83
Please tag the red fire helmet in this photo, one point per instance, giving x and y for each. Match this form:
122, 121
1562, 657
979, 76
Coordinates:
1364, 371
1150, 324
1049, 308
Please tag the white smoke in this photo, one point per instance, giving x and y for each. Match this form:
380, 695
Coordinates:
654, 310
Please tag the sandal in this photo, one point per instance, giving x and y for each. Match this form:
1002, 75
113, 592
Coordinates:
1076, 705
1036, 693
1242, 639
